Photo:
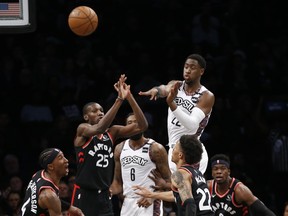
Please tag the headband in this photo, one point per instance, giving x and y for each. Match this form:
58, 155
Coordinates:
227, 164
50, 158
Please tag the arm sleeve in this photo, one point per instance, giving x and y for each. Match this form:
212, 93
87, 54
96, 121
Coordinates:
192, 121
64, 205
190, 207
258, 208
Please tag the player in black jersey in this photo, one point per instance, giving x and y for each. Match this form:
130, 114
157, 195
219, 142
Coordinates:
229, 196
189, 187
42, 193
94, 144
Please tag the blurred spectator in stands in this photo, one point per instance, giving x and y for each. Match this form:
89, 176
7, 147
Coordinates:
14, 202
285, 211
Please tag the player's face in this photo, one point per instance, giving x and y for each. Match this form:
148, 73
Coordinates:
130, 120
220, 173
192, 70
61, 165
94, 113
175, 153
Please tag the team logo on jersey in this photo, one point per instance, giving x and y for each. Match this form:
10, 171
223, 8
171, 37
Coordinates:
101, 147
105, 137
186, 104
80, 157
224, 208
229, 198
133, 159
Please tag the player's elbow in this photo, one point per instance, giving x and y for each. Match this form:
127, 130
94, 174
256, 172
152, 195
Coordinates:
144, 127
192, 127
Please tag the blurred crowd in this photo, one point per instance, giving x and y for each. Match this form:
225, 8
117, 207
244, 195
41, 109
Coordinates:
48, 75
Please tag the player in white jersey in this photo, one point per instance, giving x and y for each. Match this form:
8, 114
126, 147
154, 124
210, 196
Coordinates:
190, 105
135, 159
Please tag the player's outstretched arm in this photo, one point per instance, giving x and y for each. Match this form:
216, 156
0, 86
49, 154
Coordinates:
165, 195
256, 207
160, 91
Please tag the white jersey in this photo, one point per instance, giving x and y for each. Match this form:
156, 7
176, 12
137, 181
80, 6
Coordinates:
136, 166
176, 130
186, 103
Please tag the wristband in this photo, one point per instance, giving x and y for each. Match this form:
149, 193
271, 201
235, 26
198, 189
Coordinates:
158, 92
64, 205
121, 99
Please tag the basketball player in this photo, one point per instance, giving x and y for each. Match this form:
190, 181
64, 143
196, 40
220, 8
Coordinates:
189, 188
94, 145
190, 105
42, 194
229, 195
135, 158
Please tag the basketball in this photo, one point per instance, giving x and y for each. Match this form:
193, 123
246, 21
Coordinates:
83, 20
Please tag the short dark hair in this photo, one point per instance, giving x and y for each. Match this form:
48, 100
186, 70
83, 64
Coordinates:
47, 156
199, 58
84, 110
192, 148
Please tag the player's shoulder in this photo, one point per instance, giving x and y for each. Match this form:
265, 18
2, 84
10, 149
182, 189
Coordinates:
157, 149
205, 90
120, 146
207, 95
156, 145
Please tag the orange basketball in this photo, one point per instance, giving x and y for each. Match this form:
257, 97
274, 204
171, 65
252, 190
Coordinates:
83, 20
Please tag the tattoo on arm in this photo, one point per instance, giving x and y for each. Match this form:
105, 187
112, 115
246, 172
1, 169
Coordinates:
183, 189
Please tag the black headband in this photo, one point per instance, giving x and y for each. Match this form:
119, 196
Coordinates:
50, 158
226, 163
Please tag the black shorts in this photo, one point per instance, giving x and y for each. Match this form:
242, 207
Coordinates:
92, 202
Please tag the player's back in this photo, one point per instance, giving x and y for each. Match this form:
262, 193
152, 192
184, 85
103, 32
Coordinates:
30, 206
200, 193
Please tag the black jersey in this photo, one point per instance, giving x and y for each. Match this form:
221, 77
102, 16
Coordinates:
200, 193
30, 206
95, 163
225, 204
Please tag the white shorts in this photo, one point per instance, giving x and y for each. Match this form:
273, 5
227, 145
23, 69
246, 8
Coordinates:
203, 161
130, 208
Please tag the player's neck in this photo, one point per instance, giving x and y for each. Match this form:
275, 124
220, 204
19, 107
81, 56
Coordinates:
223, 187
191, 88
52, 178
136, 144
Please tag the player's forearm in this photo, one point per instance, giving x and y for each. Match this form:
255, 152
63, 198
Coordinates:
189, 207
192, 121
141, 119
258, 208
108, 118
161, 91
116, 188
165, 196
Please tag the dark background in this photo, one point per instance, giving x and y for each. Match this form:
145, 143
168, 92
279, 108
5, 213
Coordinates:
244, 43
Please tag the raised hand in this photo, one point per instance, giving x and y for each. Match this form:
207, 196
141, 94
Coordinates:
144, 202
142, 191
173, 92
122, 88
